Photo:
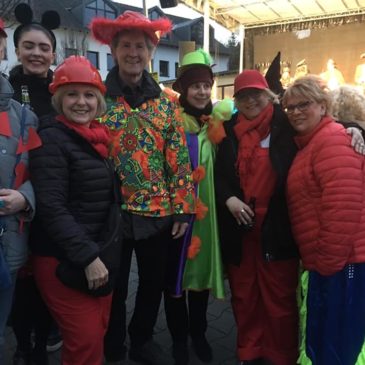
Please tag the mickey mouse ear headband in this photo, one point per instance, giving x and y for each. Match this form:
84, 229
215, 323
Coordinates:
24, 15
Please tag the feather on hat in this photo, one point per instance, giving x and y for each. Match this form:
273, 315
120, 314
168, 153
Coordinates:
104, 30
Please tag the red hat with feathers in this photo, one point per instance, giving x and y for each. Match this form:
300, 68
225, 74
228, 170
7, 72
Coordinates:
104, 30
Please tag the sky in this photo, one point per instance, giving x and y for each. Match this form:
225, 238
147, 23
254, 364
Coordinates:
221, 34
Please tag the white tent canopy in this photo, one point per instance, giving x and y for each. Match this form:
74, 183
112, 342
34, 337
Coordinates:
257, 13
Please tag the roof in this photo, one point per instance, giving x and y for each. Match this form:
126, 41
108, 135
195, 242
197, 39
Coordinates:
257, 13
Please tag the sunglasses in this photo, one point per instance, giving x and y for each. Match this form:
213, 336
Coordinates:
302, 107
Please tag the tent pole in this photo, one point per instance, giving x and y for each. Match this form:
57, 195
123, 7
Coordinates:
206, 26
242, 44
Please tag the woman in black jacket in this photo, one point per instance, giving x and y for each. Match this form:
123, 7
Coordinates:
35, 46
74, 190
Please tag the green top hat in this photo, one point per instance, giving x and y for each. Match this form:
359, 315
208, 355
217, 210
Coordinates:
196, 58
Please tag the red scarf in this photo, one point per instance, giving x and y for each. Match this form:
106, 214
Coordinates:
249, 134
96, 134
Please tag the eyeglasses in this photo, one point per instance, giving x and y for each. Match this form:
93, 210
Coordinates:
246, 94
302, 107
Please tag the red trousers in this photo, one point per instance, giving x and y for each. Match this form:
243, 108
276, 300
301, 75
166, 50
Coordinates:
82, 319
264, 305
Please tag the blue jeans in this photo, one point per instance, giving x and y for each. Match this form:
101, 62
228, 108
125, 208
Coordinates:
6, 299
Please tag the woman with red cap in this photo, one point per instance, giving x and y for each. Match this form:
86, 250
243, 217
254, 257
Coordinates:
17, 203
74, 190
258, 247
152, 161
251, 169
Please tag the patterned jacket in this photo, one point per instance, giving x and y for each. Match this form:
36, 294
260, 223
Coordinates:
150, 152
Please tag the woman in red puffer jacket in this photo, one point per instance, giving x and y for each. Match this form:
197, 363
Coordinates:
327, 211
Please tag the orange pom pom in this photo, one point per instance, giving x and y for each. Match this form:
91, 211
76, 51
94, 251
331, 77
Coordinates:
198, 174
200, 210
194, 247
216, 132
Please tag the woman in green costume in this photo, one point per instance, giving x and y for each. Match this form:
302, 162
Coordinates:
195, 262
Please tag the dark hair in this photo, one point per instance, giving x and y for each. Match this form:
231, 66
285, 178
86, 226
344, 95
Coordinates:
35, 26
24, 15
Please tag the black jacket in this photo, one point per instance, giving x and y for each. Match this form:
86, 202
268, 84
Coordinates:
276, 236
73, 185
39, 95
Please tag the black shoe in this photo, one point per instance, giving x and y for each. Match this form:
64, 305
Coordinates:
21, 358
39, 357
115, 355
251, 362
202, 349
180, 353
54, 342
149, 353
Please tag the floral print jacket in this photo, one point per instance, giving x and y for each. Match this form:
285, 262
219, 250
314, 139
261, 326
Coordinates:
151, 157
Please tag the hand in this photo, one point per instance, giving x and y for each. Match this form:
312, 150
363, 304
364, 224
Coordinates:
241, 211
12, 202
178, 229
97, 274
357, 141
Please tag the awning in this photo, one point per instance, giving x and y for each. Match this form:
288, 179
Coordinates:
258, 13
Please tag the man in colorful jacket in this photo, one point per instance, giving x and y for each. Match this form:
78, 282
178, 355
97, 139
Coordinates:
152, 161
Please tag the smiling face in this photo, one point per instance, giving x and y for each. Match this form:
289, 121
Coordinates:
80, 103
304, 114
35, 53
251, 102
198, 94
132, 56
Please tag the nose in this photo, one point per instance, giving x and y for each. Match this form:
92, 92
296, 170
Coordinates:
36, 51
81, 100
133, 51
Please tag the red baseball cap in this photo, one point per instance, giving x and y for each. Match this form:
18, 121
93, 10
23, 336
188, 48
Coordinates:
249, 79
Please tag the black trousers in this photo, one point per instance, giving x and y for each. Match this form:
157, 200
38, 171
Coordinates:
30, 313
151, 255
187, 314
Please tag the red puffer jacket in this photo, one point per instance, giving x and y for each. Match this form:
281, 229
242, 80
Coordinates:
326, 197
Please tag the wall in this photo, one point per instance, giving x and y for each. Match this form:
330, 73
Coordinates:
343, 43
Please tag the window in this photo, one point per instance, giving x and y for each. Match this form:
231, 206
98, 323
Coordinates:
164, 68
176, 68
98, 8
109, 62
70, 52
93, 57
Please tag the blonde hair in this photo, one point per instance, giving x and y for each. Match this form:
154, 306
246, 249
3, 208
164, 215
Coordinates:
310, 87
348, 104
61, 91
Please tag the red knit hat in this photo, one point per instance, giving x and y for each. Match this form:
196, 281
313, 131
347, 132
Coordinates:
2, 31
104, 29
249, 79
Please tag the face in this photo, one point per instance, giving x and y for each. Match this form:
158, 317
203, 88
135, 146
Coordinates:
251, 102
304, 114
79, 103
132, 56
198, 94
35, 53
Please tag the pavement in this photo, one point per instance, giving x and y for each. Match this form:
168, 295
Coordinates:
221, 332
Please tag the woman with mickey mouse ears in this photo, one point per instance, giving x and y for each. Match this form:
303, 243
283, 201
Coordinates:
35, 46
